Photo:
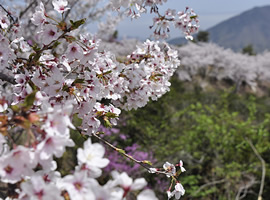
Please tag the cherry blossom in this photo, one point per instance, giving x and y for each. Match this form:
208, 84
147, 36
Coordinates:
17, 164
91, 157
49, 34
178, 192
147, 195
60, 5
169, 168
36, 188
4, 21
78, 186
127, 183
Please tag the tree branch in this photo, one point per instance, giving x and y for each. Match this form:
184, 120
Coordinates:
26, 9
8, 13
209, 184
143, 163
7, 78
263, 167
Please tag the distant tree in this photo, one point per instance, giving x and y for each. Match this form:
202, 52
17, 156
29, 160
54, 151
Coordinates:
249, 50
203, 36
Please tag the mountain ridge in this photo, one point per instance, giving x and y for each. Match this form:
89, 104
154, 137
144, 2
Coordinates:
250, 27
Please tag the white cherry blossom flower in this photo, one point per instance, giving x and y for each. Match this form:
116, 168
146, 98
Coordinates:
4, 21
92, 156
127, 183
49, 34
74, 51
60, 5
179, 191
181, 166
78, 186
38, 17
147, 195
36, 188
53, 145
169, 168
17, 164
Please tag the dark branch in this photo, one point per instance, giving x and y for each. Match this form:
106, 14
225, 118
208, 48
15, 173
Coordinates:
7, 78
8, 13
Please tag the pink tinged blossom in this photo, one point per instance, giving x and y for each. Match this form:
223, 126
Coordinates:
78, 186
152, 170
58, 121
4, 21
60, 5
49, 34
17, 164
24, 47
181, 166
92, 156
91, 124
127, 183
54, 82
37, 189
2, 142
3, 107
169, 168
169, 194
39, 18
101, 193
54, 145
74, 51
179, 191
48, 165
147, 195
88, 56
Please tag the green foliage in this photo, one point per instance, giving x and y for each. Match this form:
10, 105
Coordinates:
249, 50
202, 36
209, 132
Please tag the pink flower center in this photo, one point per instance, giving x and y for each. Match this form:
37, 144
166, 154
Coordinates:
52, 33
73, 49
39, 194
8, 169
78, 185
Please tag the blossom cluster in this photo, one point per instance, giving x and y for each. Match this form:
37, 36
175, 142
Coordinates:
211, 61
187, 20
59, 78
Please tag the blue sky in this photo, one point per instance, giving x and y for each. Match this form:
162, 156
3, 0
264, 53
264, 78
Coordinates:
210, 12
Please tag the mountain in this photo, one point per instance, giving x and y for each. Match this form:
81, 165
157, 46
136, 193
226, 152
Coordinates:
250, 27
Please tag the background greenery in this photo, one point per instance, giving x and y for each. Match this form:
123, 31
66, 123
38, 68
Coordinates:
212, 132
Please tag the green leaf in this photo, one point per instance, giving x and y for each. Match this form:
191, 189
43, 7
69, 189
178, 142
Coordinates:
147, 162
76, 24
29, 100
69, 38
111, 115
78, 80
120, 151
55, 44
193, 17
107, 123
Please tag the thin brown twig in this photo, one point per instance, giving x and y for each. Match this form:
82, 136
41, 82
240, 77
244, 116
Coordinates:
263, 167
26, 9
8, 13
209, 184
123, 153
142, 163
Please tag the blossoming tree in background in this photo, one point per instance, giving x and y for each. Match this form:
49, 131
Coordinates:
60, 76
